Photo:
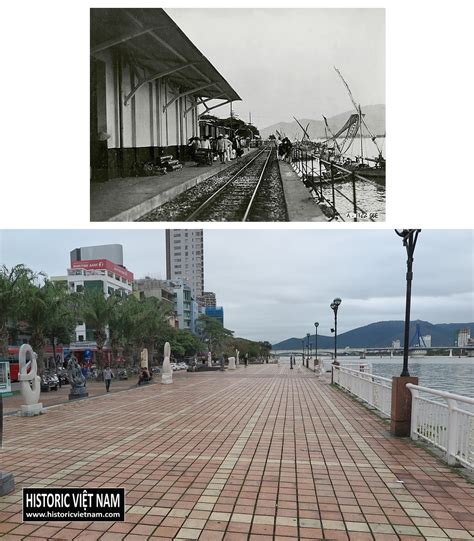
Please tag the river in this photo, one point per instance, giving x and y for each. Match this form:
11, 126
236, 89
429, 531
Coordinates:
370, 196
452, 374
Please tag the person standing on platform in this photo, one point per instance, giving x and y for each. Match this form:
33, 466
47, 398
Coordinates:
228, 148
107, 377
221, 148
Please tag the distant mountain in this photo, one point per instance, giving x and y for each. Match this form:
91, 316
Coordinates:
374, 118
381, 334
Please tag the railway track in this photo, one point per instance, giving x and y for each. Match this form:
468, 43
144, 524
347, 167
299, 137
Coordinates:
253, 192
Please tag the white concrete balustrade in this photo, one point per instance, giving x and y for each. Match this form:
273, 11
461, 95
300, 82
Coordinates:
445, 420
375, 390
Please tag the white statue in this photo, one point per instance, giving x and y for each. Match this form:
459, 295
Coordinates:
209, 359
144, 358
167, 373
231, 363
30, 382
237, 353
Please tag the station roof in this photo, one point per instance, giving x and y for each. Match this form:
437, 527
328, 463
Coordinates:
150, 38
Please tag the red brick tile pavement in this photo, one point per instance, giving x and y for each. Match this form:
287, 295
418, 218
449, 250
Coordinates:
259, 453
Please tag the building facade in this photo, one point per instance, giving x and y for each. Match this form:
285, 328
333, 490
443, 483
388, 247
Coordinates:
208, 298
464, 336
162, 290
185, 258
146, 79
215, 312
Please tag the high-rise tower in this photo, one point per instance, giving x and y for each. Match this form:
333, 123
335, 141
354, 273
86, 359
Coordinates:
185, 258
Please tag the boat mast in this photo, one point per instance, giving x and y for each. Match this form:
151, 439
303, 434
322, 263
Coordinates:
360, 132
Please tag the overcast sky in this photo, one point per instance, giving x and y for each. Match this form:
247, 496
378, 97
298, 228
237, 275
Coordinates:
274, 284
280, 61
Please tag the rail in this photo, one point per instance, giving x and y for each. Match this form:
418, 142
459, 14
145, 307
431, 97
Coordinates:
301, 159
218, 192
374, 390
446, 424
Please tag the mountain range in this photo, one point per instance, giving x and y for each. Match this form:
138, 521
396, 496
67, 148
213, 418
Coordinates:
374, 118
381, 334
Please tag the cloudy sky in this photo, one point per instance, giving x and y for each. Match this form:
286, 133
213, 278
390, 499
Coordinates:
274, 284
280, 61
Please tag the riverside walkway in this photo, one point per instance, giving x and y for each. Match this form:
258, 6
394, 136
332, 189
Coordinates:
258, 453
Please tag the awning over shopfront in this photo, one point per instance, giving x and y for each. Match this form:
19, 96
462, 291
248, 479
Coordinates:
156, 48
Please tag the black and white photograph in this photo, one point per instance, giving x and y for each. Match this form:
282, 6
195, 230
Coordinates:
237, 115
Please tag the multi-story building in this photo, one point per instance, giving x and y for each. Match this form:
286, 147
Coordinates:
185, 258
216, 312
160, 289
97, 274
464, 336
396, 344
208, 298
426, 340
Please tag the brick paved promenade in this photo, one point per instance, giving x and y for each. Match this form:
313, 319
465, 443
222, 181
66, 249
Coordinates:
260, 453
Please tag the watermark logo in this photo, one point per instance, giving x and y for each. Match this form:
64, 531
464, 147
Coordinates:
73, 504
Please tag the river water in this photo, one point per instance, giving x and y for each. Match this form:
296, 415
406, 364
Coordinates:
370, 196
452, 374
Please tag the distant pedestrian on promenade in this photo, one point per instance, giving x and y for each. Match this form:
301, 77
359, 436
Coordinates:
107, 377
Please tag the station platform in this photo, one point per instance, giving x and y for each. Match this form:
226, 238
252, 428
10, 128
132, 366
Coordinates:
300, 204
127, 199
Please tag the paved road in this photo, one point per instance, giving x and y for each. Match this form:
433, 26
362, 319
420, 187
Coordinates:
257, 454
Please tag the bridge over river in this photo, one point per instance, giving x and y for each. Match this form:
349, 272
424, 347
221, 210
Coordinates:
261, 452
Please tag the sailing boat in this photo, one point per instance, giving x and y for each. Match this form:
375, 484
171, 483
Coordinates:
349, 131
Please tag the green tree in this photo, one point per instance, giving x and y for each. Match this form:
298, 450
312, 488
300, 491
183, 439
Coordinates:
97, 312
211, 331
51, 315
185, 344
15, 284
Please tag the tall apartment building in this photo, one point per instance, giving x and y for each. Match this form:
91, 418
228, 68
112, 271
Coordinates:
464, 336
185, 258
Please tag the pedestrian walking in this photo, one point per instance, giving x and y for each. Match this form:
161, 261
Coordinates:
107, 377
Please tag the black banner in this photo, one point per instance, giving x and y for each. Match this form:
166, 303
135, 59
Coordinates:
73, 504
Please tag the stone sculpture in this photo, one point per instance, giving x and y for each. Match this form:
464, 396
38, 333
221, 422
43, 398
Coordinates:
231, 363
144, 358
167, 373
209, 359
76, 379
237, 360
30, 382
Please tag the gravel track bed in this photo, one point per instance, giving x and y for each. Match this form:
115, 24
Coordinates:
182, 206
270, 203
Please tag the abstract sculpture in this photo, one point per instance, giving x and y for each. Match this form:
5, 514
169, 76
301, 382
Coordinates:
231, 363
167, 373
209, 359
237, 360
30, 382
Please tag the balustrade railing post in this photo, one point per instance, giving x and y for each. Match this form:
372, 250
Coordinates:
452, 428
415, 394
354, 195
332, 188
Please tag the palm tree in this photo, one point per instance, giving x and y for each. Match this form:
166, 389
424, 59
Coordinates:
15, 284
97, 311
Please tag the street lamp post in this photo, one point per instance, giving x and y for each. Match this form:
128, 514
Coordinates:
309, 350
316, 325
400, 414
335, 306
409, 236
291, 362
302, 344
